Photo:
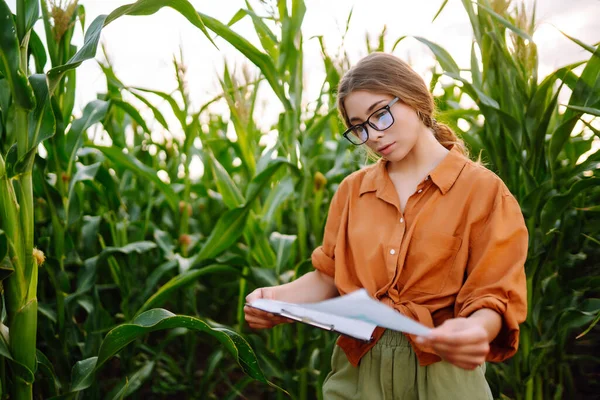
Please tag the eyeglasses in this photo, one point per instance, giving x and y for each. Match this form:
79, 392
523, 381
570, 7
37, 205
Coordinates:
380, 120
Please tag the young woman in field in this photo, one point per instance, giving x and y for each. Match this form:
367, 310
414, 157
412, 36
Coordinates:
424, 230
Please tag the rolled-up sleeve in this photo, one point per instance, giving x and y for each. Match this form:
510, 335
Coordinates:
323, 257
495, 276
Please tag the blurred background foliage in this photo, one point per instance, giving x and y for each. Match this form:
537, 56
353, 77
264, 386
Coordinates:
128, 233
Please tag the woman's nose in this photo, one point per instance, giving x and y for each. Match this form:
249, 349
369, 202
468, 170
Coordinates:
374, 134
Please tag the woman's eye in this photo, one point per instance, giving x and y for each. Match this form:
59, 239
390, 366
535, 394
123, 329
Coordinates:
382, 115
359, 131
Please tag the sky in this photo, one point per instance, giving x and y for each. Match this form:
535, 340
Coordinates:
141, 48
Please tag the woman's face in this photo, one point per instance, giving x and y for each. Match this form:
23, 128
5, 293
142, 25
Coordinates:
395, 142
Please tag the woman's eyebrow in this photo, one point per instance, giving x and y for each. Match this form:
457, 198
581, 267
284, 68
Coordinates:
368, 110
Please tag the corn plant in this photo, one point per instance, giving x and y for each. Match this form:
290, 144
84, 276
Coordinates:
36, 110
542, 148
291, 217
119, 241
525, 137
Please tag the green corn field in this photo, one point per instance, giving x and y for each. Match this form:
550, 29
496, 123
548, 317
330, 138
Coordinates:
124, 276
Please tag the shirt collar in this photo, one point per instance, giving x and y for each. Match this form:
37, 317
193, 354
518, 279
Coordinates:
444, 175
374, 178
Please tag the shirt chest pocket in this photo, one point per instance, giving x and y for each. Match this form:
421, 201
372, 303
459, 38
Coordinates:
429, 261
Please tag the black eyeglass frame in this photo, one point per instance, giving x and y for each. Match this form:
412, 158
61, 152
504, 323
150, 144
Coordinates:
387, 107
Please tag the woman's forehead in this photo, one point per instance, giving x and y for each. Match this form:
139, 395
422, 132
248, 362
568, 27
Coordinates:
359, 102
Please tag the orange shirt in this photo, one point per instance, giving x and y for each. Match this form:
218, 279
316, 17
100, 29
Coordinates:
459, 246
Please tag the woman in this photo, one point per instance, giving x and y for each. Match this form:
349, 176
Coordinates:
425, 230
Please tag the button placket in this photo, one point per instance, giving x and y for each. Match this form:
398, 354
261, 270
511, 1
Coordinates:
392, 258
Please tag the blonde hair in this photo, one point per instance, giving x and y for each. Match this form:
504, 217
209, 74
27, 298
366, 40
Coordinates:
387, 74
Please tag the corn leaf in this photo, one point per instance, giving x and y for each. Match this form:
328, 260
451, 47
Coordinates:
586, 110
132, 112
589, 328
179, 113
42, 123
32, 13
132, 383
3, 245
94, 112
46, 369
19, 369
505, 22
586, 46
261, 60
155, 277
160, 319
226, 232
263, 177
117, 156
559, 137
232, 196
276, 198
268, 39
157, 114
259, 245
443, 57
557, 205
36, 47
439, 11
181, 281
92, 35
283, 246
10, 60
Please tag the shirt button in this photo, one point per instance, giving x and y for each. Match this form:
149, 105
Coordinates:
419, 191
401, 220
427, 178
392, 251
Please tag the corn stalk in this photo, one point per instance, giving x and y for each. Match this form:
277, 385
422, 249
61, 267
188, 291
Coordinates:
549, 160
34, 108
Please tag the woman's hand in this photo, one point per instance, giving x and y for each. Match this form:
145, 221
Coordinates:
463, 342
258, 319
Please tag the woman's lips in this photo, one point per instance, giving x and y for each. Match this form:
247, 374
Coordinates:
386, 149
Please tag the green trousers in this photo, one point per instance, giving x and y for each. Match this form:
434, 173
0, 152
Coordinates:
391, 371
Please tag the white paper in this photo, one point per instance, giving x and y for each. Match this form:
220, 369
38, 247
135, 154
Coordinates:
348, 326
356, 314
359, 305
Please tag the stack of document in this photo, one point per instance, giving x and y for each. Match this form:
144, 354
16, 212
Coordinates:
355, 315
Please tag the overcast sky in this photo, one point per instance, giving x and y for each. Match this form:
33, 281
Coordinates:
141, 48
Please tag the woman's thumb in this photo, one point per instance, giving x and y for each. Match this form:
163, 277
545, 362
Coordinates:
255, 295
267, 293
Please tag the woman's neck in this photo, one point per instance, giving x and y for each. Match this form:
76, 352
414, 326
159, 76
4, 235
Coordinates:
425, 155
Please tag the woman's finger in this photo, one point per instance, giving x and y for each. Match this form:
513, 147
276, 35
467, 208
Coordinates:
266, 318
257, 319
264, 314
458, 338
255, 295
260, 326
256, 312
479, 349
